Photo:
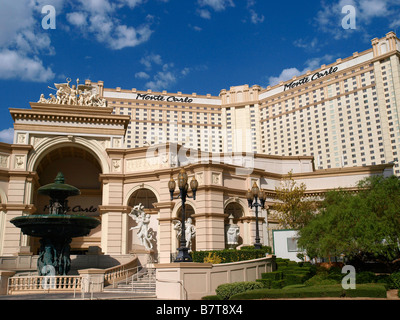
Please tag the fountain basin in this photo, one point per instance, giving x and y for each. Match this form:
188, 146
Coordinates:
54, 226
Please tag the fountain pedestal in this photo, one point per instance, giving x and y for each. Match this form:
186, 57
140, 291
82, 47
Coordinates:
56, 229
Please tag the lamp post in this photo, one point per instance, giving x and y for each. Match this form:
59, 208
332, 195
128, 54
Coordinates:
183, 254
252, 196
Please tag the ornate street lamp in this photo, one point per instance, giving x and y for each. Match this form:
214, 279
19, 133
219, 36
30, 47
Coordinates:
252, 196
183, 254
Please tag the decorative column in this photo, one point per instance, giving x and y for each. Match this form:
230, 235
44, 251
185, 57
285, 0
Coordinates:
165, 230
92, 280
210, 216
112, 229
4, 276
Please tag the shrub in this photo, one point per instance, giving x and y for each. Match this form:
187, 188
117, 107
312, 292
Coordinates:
336, 277
274, 275
212, 297
384, 279
278, 284
334, 270
266, 282
394, 280
229, 255
365, 277
289, 271
227, 290
294, 278
265, 249
292, 286
362, 290
320, 280
294, 292
372, 290
212, 258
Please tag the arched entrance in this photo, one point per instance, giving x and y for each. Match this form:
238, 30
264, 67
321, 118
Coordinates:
189, 213
146, 198
236, 210
81, 169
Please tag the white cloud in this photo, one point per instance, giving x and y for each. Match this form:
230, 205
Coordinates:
196, 28
162, 80
77, 18
125, 36
142, 75
131, 3
150, 59
15, 16
307, 45
310, 64
205, 14
217, 5
7, 135
164, 77
395, 24
22, 40
255, 18
372, 8
329, 17
14, 65
286, 74
98, 18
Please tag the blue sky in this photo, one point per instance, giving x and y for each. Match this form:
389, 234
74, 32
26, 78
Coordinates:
199, 46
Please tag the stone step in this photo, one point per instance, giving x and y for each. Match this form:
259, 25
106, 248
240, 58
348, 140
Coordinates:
137, 285
144, 284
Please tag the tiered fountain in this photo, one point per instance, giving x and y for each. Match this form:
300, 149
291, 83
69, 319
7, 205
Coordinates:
56, 229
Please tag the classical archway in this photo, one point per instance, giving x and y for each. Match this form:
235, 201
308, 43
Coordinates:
189, 213
235, 210
81, 169
145, 197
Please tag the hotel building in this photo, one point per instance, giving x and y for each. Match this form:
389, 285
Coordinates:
332, 127
344, 114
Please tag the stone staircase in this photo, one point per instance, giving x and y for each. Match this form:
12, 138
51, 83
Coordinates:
142, 283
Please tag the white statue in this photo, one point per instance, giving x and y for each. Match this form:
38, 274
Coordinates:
79, 94
190, 231
232, 233
142, 219
42, 99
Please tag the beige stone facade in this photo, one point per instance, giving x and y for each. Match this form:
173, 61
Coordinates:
124, 154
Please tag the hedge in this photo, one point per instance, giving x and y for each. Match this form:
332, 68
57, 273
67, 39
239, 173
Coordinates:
212, 297
287, 273
362, 290
227, 290
229, 255
274, 275
394, 280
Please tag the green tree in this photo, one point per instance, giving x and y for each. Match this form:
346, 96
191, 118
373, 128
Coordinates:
293, 208
362, 226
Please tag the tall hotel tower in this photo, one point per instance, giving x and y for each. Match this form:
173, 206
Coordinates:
344, 114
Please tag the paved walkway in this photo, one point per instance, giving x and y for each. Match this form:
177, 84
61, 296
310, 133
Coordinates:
78, 296
391, 295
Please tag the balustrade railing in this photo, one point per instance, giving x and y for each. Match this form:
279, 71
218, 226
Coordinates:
55, 283
44, 284
117, 273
